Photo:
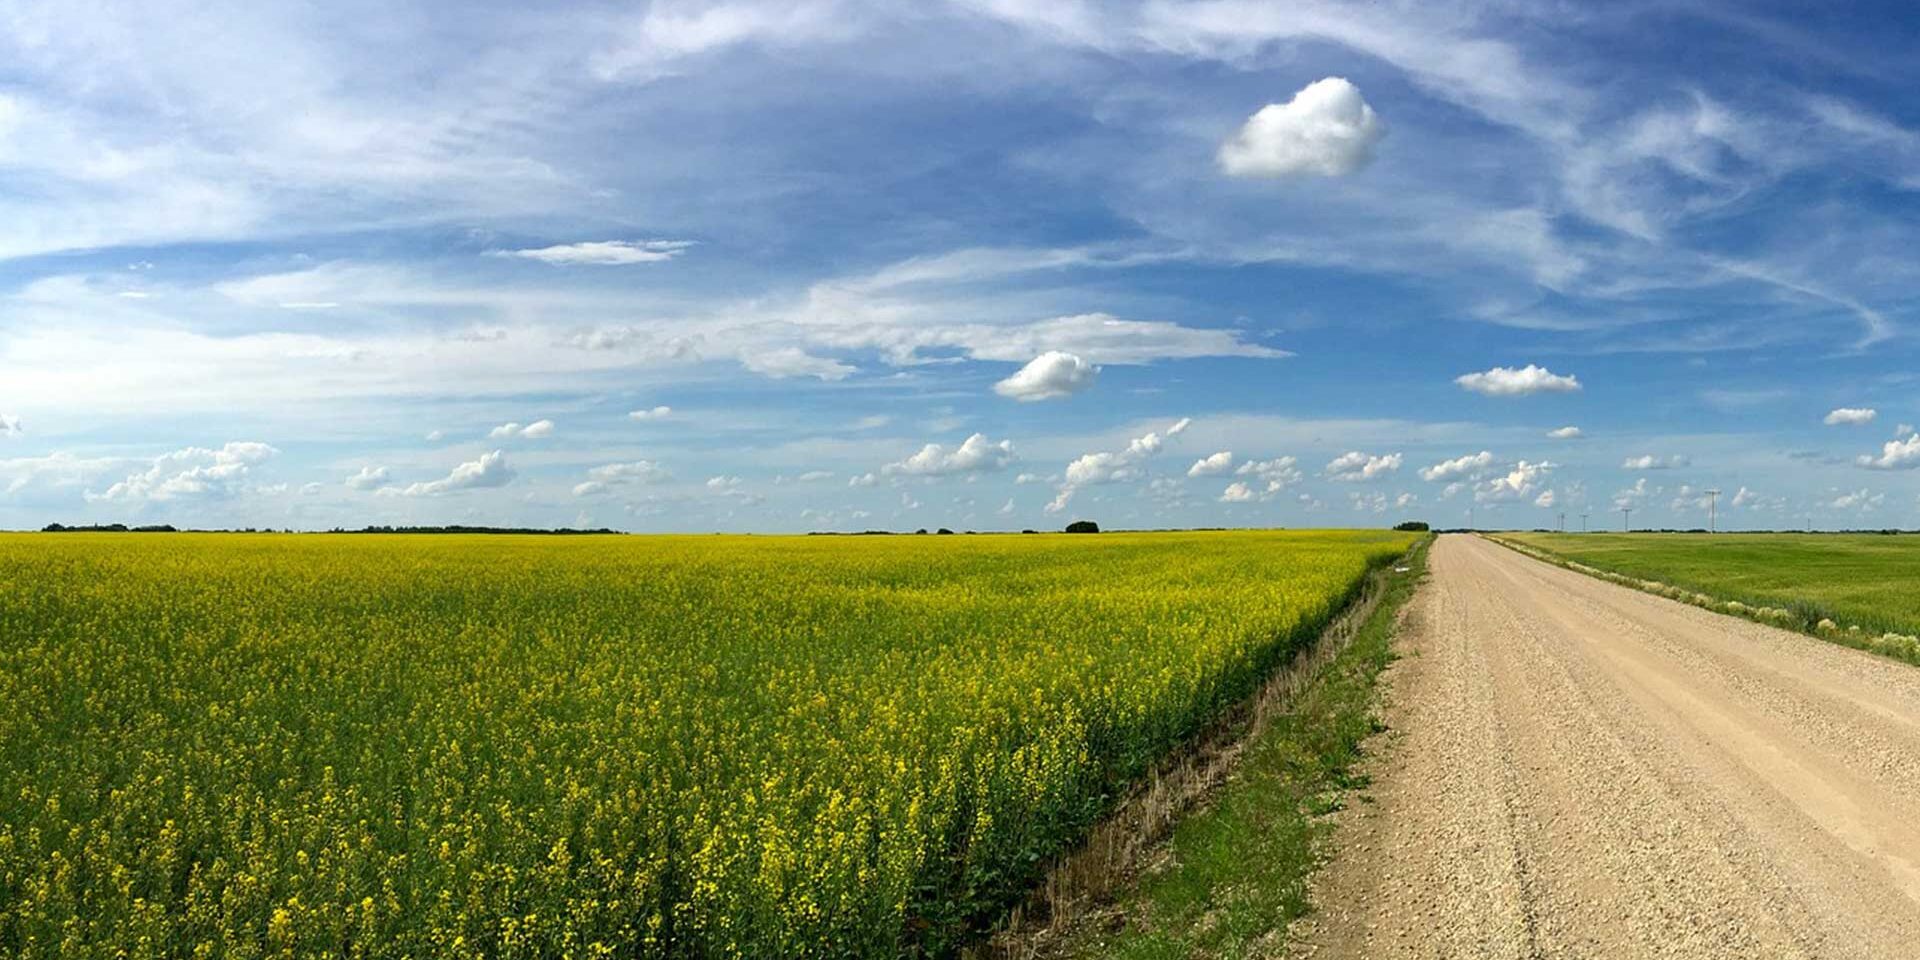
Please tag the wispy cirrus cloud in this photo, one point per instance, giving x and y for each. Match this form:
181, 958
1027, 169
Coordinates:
601, 253
1648, 461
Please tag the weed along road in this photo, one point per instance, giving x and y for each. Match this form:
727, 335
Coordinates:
1582, 770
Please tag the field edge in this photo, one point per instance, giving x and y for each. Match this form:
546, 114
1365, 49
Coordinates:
1893, 646
1084, 906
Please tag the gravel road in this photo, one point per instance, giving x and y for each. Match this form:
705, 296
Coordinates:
1582, 770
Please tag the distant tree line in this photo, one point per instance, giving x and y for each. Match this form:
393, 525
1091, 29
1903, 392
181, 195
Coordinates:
170, 528
458, 528
108, 528
1078, 526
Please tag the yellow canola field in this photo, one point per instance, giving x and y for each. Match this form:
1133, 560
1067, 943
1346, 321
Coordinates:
504, 746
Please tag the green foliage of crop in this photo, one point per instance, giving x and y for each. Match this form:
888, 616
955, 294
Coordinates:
1869, 580
447, 746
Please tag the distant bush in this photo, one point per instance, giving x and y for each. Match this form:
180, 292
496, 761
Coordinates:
1083, 526
1412, 526
944, 532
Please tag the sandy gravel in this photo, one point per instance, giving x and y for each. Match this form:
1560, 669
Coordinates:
1583, 770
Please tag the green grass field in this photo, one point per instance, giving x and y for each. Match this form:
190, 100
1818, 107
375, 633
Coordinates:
1868, 580
372, 746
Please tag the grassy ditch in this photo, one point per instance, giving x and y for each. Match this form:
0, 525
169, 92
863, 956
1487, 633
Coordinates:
1232, 871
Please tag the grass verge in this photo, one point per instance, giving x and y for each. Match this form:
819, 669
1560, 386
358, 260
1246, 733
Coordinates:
1233, 872
1774, 608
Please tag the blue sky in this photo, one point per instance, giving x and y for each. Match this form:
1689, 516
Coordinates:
984, 264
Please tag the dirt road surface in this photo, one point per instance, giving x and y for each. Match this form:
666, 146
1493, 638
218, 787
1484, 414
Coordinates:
1583, 770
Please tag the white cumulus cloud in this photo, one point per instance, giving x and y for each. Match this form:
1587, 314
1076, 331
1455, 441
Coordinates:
368, 478
491, 470
1210, 466
655, 413
1354, 466
1238, 492
976, 454
603, 479
1633, 496
1326, 130
1368, 502
1053, 374
1850, 416
1114, 466
1274, 475
1471, 465
195, 473
1118, 465
1518, 483
1862, 500
1566, 433
1903, 454
1517, 381
1102, 467
539, 429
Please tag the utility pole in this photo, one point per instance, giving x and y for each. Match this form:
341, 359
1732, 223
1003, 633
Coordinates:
1626, 519
1583, 521
1563, 521
1713, 511
1469, 518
